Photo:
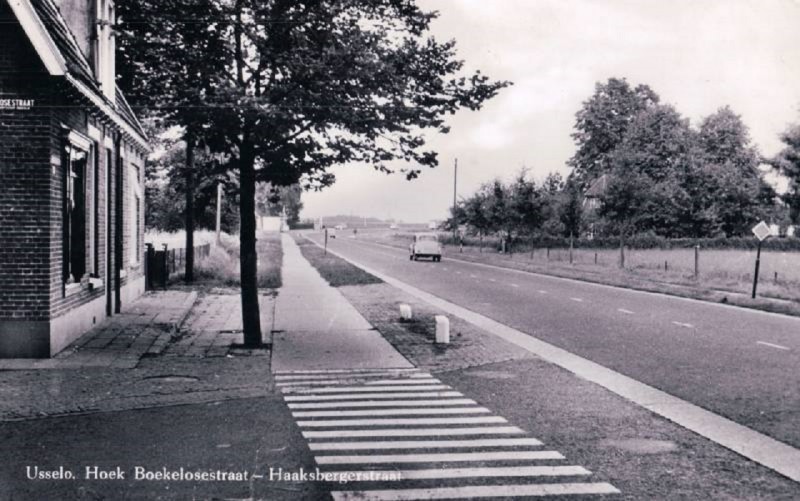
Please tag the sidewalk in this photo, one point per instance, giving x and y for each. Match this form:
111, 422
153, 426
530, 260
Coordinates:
316, 328
145, 327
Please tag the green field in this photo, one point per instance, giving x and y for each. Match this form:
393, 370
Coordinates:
671, 270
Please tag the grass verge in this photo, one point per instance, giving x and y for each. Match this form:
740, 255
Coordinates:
221, 267
674, 282
334, 270
469, 345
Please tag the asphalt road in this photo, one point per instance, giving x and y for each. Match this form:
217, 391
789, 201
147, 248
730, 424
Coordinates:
741, 364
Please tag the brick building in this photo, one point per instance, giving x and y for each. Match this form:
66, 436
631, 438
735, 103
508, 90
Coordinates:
71, 176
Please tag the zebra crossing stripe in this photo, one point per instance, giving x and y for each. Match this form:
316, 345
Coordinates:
384, 403
315, 377
416, 432
392, 412
423, 444
354, 396
379, 382
500, 471
449, 457
350, 371
402, 421
336, 389
479, 491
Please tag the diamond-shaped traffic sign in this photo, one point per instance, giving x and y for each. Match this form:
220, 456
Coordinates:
761, 231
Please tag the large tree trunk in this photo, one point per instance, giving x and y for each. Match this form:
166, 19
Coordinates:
189, 175
248, 257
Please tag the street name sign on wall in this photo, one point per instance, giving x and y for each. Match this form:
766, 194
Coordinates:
761, 231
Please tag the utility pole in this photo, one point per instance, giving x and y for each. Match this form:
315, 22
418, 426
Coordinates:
455, 191
219, 210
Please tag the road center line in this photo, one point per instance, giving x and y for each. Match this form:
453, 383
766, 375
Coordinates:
515, 285
681, 324
763, 343
577, 299
623, 310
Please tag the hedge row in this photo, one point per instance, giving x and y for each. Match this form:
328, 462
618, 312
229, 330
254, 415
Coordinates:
639, 242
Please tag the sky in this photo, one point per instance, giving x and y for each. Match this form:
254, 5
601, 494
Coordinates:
697, 55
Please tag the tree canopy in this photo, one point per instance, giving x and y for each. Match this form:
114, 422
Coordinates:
301, 86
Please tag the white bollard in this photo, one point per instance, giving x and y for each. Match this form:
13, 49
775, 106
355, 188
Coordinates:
442, 329
405, 312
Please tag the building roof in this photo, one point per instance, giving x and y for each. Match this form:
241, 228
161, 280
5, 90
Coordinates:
56, 45
68, 47
598, 187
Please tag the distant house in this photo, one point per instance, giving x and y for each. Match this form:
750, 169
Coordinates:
72, 174
593, 195
592, 200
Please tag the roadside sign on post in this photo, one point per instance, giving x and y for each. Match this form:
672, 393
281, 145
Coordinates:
762, 232
326, 241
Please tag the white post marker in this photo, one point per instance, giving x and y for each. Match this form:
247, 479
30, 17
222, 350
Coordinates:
442, 329
405, 312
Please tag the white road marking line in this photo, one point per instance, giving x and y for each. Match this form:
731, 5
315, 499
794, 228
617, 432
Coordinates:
497, 471
446, 457
354, 396
337, 389
681, 324
478, 491
515, 286
576, 299
543, 292
392, 412
423, 444
627, 312
377, 382
320, 377
473, 276
402, 422
492, 280
387, 370
385, 403
416, 432
774, 345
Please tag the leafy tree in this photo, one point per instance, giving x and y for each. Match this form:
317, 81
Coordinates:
476, 215
601, 124
314, 84
570, 210
624, 202
172, 53
498, 210
787, 161
741, 196
528, 205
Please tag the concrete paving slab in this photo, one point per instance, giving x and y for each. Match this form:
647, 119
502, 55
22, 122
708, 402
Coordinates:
352, 349
315, 327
